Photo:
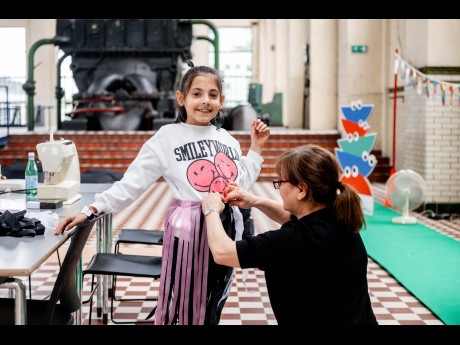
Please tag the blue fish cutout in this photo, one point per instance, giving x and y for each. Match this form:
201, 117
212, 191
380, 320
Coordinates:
363, 165
355, 114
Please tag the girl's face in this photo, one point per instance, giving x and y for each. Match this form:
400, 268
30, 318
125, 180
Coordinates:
203, 100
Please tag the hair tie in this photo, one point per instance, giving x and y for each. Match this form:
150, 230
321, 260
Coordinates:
190, 63
338, 187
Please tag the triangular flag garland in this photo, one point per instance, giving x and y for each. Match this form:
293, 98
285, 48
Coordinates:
425, 84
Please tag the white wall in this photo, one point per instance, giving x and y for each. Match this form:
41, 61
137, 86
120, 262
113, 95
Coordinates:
361, 75
428, 132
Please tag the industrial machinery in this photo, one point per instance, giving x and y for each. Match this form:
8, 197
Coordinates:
126, 70
61, 168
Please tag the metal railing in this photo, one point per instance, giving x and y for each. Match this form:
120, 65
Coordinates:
12, 114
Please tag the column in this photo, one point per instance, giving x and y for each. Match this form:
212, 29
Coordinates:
323, 77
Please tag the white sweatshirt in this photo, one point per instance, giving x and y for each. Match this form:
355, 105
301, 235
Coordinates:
193, 160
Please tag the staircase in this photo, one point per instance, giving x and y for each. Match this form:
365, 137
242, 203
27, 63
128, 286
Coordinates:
114, 150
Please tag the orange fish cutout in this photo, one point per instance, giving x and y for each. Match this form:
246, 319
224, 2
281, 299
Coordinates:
352, 127
359, 183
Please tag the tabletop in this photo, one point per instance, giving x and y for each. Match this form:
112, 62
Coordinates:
20, 256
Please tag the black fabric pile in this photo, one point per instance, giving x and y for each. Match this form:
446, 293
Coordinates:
16, 225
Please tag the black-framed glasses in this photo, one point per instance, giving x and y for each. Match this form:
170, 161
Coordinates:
277, 183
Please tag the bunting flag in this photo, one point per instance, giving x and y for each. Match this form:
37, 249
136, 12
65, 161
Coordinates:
423, 84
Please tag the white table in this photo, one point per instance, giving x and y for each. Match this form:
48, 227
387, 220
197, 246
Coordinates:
21, 256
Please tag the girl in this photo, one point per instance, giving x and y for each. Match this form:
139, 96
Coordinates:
194, 157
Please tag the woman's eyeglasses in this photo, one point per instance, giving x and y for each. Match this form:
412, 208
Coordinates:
277, 183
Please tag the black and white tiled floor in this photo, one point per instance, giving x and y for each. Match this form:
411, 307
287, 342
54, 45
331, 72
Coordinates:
246, 305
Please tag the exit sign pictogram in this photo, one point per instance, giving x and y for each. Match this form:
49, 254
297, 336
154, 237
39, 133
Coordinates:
359, 49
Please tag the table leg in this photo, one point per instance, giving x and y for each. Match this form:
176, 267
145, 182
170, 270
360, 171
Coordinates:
79, 282
104, 245
99, 245
20, 300
107, 247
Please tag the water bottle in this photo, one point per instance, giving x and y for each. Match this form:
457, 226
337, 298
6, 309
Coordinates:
31, 176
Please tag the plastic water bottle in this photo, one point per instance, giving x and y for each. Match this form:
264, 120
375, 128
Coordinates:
31, 176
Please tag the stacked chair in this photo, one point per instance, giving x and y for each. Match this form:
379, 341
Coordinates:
126, 265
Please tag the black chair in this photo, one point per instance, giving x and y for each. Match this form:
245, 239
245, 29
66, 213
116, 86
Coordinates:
139, 236
126, 265
136, 236
50, 312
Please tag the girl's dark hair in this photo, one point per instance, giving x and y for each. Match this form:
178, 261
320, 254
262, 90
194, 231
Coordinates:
186, 82
318, 169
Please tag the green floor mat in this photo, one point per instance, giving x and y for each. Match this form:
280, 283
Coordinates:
424, 261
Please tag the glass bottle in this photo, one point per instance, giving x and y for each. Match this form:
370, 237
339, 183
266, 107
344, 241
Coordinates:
31, 176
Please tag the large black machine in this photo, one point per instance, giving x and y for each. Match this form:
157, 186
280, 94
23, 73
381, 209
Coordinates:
126, 71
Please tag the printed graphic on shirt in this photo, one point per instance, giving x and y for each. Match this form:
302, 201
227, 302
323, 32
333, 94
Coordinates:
204, 175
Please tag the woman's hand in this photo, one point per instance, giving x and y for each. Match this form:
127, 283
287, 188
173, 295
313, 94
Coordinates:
69, 222
235, 196
259, 135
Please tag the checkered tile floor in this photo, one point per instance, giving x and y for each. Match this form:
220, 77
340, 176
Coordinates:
247, 304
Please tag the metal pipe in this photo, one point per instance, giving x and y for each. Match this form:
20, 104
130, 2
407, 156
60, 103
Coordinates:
29, 86
59, 91
214, 42
395, 94
7, 111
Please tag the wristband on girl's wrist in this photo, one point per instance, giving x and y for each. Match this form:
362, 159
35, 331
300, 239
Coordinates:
88, 212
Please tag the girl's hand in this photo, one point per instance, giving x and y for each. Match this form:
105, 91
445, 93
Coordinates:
232, 185
259, 135
69, 222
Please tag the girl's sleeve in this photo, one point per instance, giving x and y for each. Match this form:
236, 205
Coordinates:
140, 175
251, 165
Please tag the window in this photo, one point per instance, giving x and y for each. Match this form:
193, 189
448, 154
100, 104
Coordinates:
68, 85
13, 52
235, 63
12, 75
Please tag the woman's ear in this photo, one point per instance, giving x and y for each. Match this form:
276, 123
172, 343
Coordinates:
180, 98
303, 190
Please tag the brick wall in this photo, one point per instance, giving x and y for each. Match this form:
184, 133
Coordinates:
428, 141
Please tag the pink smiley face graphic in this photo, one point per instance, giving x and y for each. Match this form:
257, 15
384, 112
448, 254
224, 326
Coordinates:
201, 173
225, 166
218, 185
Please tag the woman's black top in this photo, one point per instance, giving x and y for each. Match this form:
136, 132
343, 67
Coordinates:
315, 272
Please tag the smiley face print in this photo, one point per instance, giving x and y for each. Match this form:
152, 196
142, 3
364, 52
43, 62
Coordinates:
201, 173
205, 176
225, 166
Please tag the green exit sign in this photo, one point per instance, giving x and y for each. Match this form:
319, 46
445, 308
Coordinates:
359, 49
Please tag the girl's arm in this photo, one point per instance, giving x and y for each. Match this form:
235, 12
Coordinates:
244, 199
259, 135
